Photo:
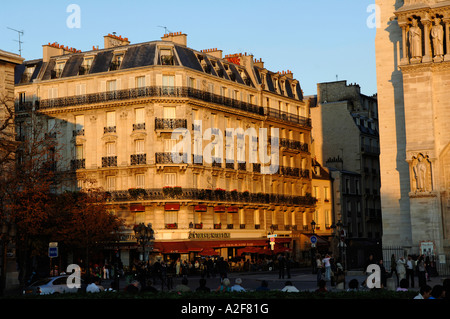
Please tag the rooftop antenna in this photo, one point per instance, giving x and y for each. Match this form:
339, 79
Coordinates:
20, 42
166, 31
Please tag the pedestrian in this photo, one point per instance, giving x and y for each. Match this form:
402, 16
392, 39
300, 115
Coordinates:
178, 267
238, 286
327, 266
401, 269
394, 267
340, 275
410, 269
421, 271
222, 267
424, 292
319, 266
281, 266
383, 273
437, 292
202, 286
289, 287
105, 271
224, 286
322, 286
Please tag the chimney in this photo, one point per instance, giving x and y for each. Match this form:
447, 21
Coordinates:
214, 52
55, 49
112, 40
259, 63
176, 37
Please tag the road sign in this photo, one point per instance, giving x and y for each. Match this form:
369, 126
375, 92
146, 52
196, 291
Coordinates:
52, 252
272, 236
313, 239
272, 239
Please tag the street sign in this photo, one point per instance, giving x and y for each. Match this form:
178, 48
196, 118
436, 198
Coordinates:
52, 252
272, 236
313, 239
272, 239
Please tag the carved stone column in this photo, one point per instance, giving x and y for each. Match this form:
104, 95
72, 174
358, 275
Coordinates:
426, 39
447, 38
404, 59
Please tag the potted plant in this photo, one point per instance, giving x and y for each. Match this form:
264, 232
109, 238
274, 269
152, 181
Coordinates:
218, 226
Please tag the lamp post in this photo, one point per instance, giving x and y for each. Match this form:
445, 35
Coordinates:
8, 232
313, 249
144, 234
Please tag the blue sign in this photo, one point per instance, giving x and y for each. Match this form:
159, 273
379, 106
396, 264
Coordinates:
53, 252
313, 239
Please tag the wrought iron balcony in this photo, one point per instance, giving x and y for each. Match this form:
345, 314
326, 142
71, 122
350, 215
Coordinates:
109, 129
109, 161
138, 159
138, 126
169, 124
256, 168
242, 166
293, 145
166, 158
78, 164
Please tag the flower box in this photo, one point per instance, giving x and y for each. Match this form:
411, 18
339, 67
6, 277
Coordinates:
217, 226
171, 226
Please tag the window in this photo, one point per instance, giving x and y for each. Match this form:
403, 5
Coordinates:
170, 179
191, 83
79, 123
110, 183
110, 149
166, 56
357, 187
326, 194
169, 112
59, 67
111, 119
316, 192
111, 85
139, 146
116, 62
169, 145
140, 82
168, 81
347, 186
140, 181
80, 89
79, 152
86, 66
140, 115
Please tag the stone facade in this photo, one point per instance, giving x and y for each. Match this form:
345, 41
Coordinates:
115, 110
413, 47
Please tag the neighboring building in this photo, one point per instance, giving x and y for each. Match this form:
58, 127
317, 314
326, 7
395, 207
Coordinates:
346, 141
8, 61
114, 111
413, 53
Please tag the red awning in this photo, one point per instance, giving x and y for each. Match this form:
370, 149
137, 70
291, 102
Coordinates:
171, 247
200, 208
137, 208
172, 206
208, 252
219, 209
233, 209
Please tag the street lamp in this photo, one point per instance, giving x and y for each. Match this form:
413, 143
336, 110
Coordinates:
313, 249
144, 234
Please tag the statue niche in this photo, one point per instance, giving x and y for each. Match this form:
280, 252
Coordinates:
415, 40
437, 36
421, 169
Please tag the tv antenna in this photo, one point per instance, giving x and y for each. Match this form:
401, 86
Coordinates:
166, 31
20, 42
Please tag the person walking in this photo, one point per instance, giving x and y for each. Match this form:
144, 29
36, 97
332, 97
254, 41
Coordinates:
281, 266
401, 269
319, 266
410, 268
421, 271
327, 266
394, 267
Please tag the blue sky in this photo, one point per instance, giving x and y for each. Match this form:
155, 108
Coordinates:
316, 39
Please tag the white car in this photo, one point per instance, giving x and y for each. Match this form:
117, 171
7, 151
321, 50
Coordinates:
50, 285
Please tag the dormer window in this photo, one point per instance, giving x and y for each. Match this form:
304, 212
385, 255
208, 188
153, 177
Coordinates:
86, 66
166, 56
27, 74
57, 71
116, 61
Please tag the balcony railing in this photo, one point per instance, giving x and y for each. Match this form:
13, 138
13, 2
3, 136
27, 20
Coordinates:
169, 124
166, 158
78, 164
138, 126
138, 159
109, 129
109, 161
285, 116
218, 195
293, 144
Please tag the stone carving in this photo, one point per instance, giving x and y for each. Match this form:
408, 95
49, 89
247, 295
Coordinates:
415, 39
422, 173
437, 34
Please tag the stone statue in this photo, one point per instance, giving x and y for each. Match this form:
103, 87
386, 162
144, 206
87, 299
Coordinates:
420, 172
437, 33
415, 39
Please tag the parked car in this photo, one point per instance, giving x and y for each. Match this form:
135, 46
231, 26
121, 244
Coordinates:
51, 285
